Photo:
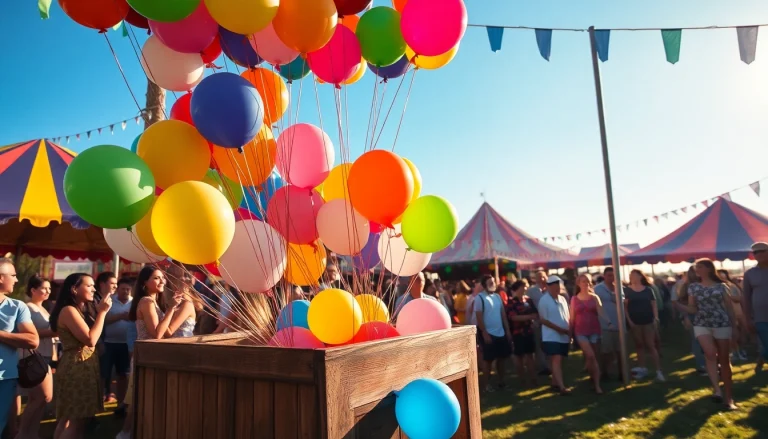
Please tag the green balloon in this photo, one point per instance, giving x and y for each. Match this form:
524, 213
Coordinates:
381, 41
230, 189
109, 187
429, 224
296, 69
166, 11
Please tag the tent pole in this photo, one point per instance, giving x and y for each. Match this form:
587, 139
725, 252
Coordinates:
611, 215
116, 264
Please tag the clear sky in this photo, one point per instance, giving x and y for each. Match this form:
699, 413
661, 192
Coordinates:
522, 130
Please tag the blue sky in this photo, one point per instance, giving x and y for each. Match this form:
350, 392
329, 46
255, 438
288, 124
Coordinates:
509, 124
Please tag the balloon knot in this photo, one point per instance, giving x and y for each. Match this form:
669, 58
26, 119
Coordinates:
102, 31
240, 149
398, 235
149, 31
314, 246
338, 86
213, 66
413, 59
383, 81
290, 81
130, 228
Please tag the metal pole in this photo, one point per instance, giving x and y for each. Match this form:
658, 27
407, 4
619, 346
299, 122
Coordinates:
116, 264
611, 215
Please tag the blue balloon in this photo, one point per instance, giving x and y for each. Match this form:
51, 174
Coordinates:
227, 110
392, 71
369, 255
294, 314
135, 144
427, 409
237, 48
265, 192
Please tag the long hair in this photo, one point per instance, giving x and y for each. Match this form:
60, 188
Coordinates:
711, 270
643, 279
140, 289
66, 297
34, 283
577, 288
690, 277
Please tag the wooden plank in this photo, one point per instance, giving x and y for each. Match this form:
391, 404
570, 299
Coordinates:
459, 387
264, 408
225, 400
172, 405
308, 410
194, 405
184, 422
160, 389
473, 391
244, 409
210, 415
322, 395
286, 410
147, 401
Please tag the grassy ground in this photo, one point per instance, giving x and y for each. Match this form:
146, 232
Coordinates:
678, 408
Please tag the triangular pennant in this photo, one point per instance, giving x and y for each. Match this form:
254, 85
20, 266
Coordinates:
137, 118
695, 206
604, 231
67, 139
99, 130
747, 42
589, 233
545, 239
602, 39
705, 203
665, 215
656, 218
626, 227
755, 187
125, 30
672, 38
568, 236
645, 221
578, 236
619, 228
674, 212
684, 209
117, 26
112, 129
123, 124
77, 136
44, 6
726, 196
88, 133
544, 41
495, 35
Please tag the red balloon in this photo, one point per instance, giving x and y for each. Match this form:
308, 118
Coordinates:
212, 52
293, 213
180, 110
96, 14
213, 269
375, 227
136, 19
374, 331
351, 7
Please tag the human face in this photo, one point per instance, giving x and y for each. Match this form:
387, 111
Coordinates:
609, 277
490, 285
635, 277
541, 279
7, 278
702, 271
155, 283
418, 283
761, 256
84, 292
124, 291
554, 289
333, 273
41, 294
108, 286
585, 283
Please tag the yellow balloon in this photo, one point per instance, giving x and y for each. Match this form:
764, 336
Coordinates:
193, 223
143, 231
361, 68
374, 309
335, 185
243, 16
416, 185
431, 62
174, 152
334, 316
306, 263
320, 189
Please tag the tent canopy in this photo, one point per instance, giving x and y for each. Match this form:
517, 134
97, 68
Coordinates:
601, 255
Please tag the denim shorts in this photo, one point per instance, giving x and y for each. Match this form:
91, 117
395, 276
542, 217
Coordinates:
592, 338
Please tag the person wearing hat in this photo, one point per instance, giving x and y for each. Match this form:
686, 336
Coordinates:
554, 316
755, 299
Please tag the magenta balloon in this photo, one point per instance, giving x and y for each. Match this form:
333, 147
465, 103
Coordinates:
293, 212
268, 46
304, 155
432, 27
190, 35
338, 60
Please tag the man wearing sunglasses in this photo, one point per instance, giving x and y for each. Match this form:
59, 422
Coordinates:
755, 301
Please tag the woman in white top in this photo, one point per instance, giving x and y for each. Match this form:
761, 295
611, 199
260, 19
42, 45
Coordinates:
179, 290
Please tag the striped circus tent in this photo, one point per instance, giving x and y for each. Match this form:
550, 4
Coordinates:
601, 255
725, 230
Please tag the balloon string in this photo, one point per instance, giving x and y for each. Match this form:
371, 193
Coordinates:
122, 73
405, 106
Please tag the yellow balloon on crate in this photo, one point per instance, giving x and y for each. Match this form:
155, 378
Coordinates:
361, 68
335, 185
334, 316
416, 185
306, 263
143, 231
431, 62
175, 152
374, 309
193, 223
243, 16
252, 166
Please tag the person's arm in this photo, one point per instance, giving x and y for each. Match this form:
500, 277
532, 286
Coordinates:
543, 314
626, 313
186, 310
572, 313
654, 308
74, 322
505, 322
746, 303
47, 333
478, 308
25, 336
728, 303
156, 328
113, 317
601, 312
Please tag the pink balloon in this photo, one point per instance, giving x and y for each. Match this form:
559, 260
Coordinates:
268, 46
341, 228
293, 213
190, 35
304, 155
432, 27
422, 315
338, 60
295, 337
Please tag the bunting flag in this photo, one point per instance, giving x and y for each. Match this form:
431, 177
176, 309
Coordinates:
755, 187
695, 206
44, 6
656, 218
602, 38
495, 34
544, 41
747, 42
674, 212
684, 209
705, 203
645, 222
665, 215
726, 195
99, 130
672, 38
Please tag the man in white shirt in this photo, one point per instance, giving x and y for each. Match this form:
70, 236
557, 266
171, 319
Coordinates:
536, 292
555, 333
493, 328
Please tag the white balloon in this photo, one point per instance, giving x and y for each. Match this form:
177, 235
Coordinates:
397, 257
126, 244
255, 261
169, 69
341, 228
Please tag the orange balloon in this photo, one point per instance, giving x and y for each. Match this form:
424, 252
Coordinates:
399, 5
273, 92
305, 25
252, 166
380, 186
350, 22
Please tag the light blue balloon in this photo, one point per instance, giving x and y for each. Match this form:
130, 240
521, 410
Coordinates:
427, 409
135, 144
265, 193
294, 314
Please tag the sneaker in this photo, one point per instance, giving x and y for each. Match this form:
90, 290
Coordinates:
660, 376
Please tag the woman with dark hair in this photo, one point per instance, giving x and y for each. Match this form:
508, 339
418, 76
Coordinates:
643, 318
78, 384
521, 314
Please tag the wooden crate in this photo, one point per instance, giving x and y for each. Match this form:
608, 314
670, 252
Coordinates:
220, 386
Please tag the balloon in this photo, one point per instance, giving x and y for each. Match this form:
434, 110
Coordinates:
143, 231
227, 110
379, 33
294, 314
242, 214
95, 14
253, 165
193, 223
267, 44
374, 330
237, 48
431, 29
380, 186
180, 109
296, 69
165, 11
190, 35
397, 257
293, 212
212, 52
109, 187
341, 228
431, 62
374, 309
295, 337
395, 70
135, 19
127, 245
135, 144
175, 152
306, 263
256, 259
230, 189
169, 69
369, 255
351, 7
359, 72
422, 315
257, 197
350, 21
334, 316
398, 5
335, 185
305, 25
304, 155
416, 178
274, 94
336, 61
212, 269
376, 227
243, 17
430, 224
427, 408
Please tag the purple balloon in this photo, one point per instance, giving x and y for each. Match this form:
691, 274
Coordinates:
392, 71
369, 255
237, 48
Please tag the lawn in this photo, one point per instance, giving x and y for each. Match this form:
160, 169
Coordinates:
678, 408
